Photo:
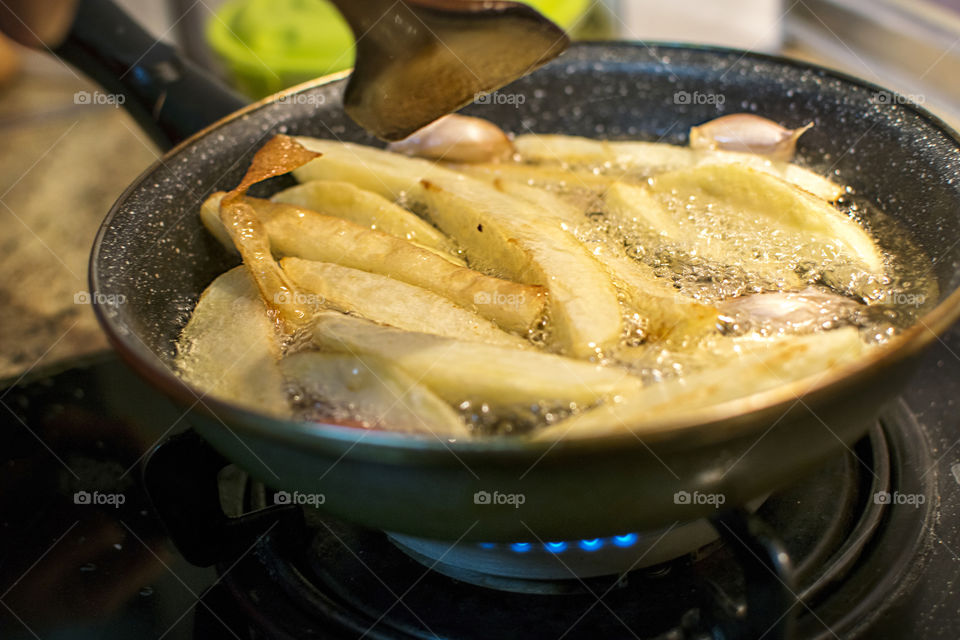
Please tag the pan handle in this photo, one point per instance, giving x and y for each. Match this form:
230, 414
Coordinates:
170, 97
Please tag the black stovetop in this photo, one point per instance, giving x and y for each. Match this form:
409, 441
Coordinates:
83, 553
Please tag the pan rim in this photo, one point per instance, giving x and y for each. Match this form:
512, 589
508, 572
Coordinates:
323, 436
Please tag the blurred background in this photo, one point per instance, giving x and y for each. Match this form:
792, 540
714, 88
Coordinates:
64, 160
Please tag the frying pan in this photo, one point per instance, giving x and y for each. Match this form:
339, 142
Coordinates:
153, 254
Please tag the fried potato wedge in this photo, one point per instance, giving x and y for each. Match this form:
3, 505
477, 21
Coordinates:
392, 302
751, 366
373, 392
279, 155
645, 157
666, 314
303, 233
549, 202
650, 158
459, 370
449, 257
537, 175
634, 204
496, 231
347, 201
584, 308
754, 195
635, 207
372, 169
800, 177
229, 348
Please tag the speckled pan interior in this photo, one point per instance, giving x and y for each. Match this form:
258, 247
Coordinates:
153, 250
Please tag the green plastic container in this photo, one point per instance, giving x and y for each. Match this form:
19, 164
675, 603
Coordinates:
269, 45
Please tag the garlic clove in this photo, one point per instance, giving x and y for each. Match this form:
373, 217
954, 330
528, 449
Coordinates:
456, 138
785, 312
747, 132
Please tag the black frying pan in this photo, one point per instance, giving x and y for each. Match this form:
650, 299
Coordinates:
154, 252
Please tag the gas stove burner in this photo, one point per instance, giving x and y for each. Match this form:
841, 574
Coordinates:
536, 566
312, 572
531, 564
532, 567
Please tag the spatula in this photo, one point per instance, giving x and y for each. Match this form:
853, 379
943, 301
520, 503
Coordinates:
420, 59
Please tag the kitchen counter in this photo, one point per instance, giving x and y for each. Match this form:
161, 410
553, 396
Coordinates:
62, 164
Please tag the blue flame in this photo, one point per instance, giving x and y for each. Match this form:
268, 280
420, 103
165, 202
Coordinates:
627, 540
587, 544
591, 545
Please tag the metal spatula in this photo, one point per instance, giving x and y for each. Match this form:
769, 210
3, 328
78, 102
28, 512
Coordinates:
420, 59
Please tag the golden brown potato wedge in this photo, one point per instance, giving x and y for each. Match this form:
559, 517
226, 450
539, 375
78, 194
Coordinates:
666, 314
651, 158
643, 157
373, 392
279, 155
372, 169
459, 370
229, 348
538, 175
547, 201
585, 313
636, 208
496, 231
344, 200
634, 205
750, 367
388, 301
745, 195
303, 233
